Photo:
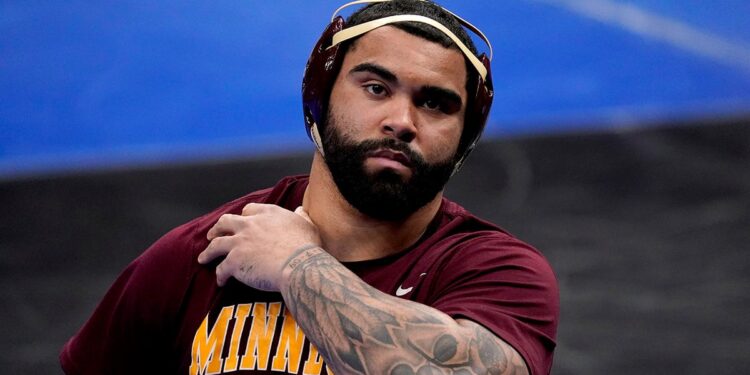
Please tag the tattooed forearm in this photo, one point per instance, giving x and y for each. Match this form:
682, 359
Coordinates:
358, 329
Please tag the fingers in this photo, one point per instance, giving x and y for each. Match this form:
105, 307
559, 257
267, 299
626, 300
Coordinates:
255, 208
253, 244
223, 272
227, 224
232, 265
219, 246
301, 212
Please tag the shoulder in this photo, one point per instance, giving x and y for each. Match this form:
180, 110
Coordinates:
467, 233
466, 247
496, 252
189, 239
172, 262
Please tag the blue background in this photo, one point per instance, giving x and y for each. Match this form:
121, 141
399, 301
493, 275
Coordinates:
101, 84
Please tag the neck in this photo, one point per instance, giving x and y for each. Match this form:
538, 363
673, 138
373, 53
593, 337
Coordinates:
348, 234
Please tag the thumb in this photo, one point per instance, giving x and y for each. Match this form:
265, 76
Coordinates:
301, 212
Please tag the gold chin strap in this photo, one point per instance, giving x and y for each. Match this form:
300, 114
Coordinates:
355, 31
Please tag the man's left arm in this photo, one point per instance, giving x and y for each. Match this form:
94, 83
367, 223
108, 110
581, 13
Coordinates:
359, 329
356, 328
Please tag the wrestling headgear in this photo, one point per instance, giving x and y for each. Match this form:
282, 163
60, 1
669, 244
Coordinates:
327, 57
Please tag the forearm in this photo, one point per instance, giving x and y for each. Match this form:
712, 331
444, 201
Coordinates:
359, 329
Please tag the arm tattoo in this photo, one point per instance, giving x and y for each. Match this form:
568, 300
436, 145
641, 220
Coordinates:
358, 329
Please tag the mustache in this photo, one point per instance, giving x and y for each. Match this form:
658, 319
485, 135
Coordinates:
393, 144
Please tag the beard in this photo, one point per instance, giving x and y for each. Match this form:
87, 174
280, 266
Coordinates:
383, 195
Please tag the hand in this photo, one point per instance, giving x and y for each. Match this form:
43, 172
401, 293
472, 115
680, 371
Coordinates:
258, 244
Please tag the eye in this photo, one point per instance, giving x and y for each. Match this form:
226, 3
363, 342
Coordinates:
432, 104
435, 105
376, 89
438, 100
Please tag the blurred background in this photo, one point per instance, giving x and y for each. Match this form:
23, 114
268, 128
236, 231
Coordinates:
619, 145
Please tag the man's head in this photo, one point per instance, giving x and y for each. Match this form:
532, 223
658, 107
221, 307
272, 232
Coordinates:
396, 104
326, 58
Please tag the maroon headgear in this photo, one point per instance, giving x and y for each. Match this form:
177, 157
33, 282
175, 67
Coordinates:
325, 62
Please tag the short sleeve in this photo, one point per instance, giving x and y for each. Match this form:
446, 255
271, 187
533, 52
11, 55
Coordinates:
507, 287
131, 324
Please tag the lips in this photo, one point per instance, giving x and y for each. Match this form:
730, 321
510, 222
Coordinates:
392, 155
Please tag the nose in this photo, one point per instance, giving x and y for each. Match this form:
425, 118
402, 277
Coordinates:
400, 120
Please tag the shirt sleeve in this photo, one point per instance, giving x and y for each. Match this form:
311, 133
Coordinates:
507, 287
128, 329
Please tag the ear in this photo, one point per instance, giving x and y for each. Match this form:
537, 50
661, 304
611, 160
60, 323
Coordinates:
320, 74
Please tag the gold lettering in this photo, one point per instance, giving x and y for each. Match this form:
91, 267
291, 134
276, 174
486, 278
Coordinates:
262, 329
207, 347
240, 315
314, 363
289, 350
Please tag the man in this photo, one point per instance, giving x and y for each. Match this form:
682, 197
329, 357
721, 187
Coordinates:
362, 267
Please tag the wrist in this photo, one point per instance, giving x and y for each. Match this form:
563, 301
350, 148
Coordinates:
299, 259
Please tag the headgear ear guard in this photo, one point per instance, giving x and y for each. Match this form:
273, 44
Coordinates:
325, 62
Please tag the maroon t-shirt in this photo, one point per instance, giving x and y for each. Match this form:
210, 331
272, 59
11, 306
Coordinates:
165, 313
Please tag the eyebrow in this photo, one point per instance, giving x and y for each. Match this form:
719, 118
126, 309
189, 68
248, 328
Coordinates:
383, 72
389, 76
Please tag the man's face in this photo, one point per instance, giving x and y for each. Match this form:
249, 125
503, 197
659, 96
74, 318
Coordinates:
395, 119
384, 193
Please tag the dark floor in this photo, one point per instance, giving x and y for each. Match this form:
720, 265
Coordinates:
647, 231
